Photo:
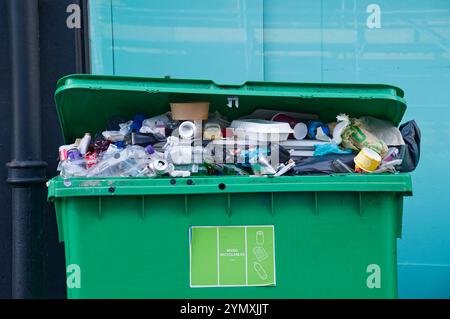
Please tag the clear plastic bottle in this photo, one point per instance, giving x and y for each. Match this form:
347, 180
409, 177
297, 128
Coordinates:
84, 143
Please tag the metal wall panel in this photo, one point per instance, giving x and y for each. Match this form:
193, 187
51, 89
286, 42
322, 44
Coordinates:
310, 41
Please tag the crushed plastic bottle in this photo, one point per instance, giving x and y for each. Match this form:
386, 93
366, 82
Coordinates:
128, 162
72, 168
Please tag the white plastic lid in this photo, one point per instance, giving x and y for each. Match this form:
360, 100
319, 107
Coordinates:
262, 126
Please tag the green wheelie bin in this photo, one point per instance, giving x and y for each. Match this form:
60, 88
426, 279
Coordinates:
326, 236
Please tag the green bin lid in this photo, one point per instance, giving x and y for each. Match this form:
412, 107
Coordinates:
85, 103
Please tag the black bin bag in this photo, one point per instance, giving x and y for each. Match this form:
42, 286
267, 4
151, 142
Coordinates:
410, 152
326, 164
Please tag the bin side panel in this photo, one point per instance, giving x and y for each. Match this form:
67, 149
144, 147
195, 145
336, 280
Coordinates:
327, 244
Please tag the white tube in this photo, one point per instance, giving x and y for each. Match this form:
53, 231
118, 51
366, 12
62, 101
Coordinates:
84, 143
187, 130
300, 131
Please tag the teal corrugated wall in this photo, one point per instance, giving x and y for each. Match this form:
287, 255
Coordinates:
404, 43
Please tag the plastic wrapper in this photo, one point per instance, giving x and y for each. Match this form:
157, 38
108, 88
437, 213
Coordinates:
337, 128
355, 137
75, 168
114, 122
318, 130
388, 167
262, 166
130, 161
100, 144
125, 128
283, 169
331, 148
383, 130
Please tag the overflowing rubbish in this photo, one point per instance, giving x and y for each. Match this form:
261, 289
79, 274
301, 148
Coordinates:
191, 141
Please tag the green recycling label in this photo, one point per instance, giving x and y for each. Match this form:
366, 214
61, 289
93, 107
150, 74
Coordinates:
232, 256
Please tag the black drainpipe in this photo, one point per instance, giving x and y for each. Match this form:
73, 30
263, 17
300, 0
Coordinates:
26, 171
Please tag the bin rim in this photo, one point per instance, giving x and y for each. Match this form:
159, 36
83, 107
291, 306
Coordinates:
58, 187
63, 82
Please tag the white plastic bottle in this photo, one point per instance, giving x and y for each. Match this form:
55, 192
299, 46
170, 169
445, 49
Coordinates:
84, 143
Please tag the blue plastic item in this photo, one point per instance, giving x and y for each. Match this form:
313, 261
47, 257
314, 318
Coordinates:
332, 148
312, 129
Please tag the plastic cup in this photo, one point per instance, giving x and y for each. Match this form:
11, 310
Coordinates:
187, 130
367, 160
300, 131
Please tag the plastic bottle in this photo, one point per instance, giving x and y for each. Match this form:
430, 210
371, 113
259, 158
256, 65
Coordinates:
84, 143
109, 166
135, 162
